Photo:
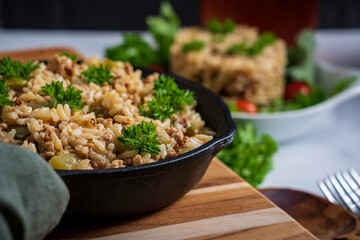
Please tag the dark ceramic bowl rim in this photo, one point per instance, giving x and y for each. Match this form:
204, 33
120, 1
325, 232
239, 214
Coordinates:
227, 135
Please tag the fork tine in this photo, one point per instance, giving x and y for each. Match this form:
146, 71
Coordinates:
325, 190
334, 193
343, 195
354, 186
349, 191
355, 176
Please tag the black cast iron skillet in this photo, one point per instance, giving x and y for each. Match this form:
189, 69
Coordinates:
142, 188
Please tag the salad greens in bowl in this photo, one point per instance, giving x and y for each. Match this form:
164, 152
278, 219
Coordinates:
337, 85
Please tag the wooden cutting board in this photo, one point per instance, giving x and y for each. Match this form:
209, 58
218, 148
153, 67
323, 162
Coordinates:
221, 206
39, 53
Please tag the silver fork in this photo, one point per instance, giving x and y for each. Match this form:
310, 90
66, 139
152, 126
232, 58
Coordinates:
343, 188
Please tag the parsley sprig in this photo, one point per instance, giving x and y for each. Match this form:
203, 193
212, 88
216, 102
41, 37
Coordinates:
134, 49
250, 155
16, 69
72, 56
98, 75
142, 137
168, 100
193, 46
217, 27
243, 48
4, 94
70, 96
138, 51
163, 28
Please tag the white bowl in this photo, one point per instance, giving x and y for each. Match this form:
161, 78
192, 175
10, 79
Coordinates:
284, 126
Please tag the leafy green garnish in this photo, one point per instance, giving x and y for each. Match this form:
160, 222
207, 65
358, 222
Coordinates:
169, 99
138, 51
238, 48
216, 27
98, 75
316, 96
164, 28
134, 49
142, 137
301, 61
250, 154
342, 85
16, 69
159, 108
264, 40
232, 106
72, 56
4, 94
193, 46
71, 96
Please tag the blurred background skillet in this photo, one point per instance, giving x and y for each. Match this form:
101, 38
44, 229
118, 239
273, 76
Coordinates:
142, 188
283, 126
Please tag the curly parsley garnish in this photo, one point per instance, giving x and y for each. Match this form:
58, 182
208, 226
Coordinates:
70, 96
142, 137
4, 94
243, 48
72, 56
98, 75
16, 69
193, 46
216, 27
250, 154
168, 100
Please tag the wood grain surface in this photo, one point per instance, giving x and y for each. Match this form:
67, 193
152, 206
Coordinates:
221, 206
322, 218
39, 53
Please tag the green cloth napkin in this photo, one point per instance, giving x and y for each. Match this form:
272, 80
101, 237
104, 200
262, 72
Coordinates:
32, 196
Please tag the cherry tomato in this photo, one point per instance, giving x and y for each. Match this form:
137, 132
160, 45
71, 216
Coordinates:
293, 88
243, 105
157, 67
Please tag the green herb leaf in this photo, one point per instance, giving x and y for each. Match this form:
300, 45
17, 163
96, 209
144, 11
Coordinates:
263, 41
16, 69
71, 96
193, 46
216, 27
142, 137
342, 85
238, 48
134, 49
160, 108
316, 96
4, 94
98, 75
301, 64
169, 99
164, 28
232, 106
72, 56
250, 154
